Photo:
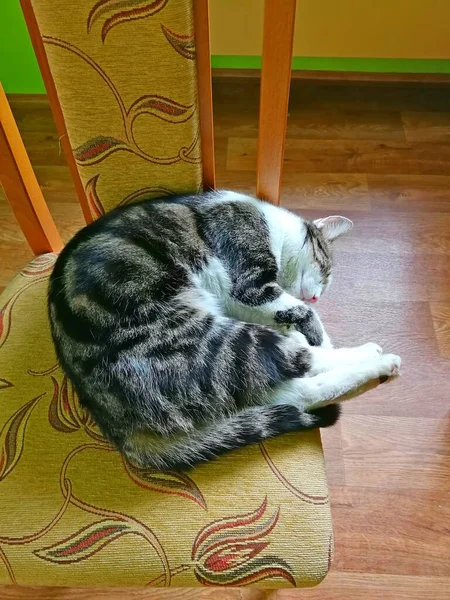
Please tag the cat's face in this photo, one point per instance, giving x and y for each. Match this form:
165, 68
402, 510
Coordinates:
313, 272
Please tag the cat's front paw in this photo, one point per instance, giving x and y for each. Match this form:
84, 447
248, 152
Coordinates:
304, 320
293, 316
390, 365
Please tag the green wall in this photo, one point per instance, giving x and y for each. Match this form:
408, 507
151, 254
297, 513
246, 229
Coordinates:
19, 72
366, 65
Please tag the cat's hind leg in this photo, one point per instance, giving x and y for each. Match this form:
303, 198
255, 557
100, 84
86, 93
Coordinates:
309, 393
248, 426
328, 358
325, 359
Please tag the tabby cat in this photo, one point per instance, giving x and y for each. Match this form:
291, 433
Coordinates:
186, 326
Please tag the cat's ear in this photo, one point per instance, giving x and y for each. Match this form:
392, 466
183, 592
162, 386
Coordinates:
334, 227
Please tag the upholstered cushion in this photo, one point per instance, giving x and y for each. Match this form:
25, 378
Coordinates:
126, 81
72, 512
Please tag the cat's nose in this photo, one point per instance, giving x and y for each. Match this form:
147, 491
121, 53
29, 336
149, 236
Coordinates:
310, 300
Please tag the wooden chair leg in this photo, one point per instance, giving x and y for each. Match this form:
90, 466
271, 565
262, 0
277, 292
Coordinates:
21, 187
202, 47
279, 19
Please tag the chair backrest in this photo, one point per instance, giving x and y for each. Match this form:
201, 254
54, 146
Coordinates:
125, 77
129, 83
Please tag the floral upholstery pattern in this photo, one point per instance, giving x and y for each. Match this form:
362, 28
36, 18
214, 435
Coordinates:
73, 512
125, 75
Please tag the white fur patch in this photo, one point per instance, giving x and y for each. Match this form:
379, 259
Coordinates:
263, 314
200, 300
211, 288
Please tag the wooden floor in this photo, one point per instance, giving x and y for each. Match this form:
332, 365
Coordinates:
381, 156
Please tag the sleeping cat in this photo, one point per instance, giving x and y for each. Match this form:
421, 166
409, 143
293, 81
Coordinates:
186, 326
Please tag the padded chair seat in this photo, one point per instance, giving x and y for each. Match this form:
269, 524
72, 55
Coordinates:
73, 513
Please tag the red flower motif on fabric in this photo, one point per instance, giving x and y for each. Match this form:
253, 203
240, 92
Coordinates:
66, 414
116, 12
227, 552
95, 205
183, 44
161, 107
40, 265
167, 482
85, 542
97, 149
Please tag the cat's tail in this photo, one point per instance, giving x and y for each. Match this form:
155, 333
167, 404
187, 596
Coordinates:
249, 426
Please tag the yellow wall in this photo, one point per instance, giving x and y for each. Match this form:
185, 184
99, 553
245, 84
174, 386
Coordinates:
340, 28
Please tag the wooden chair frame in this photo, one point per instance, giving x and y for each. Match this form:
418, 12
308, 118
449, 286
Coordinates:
20, 183
22, 188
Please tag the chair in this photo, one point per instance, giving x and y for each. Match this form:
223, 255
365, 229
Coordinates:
129, 83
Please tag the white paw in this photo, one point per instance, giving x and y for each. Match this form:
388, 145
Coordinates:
371, 350
390, 365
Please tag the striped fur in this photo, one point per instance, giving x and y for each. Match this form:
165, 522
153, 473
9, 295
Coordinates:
173, 320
